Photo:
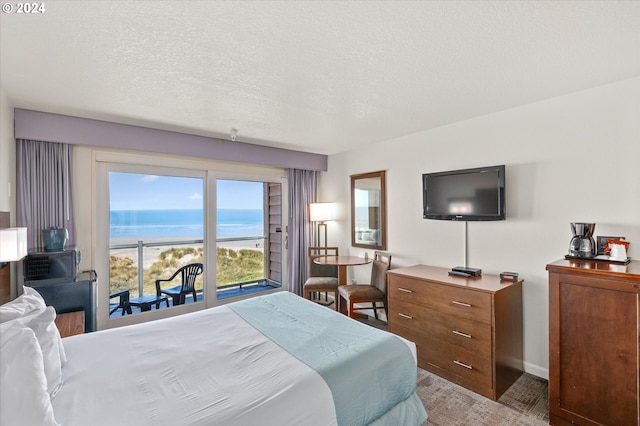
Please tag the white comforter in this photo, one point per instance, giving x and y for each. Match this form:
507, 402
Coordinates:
178, 372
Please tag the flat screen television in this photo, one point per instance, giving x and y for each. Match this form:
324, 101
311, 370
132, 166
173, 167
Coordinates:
467, 195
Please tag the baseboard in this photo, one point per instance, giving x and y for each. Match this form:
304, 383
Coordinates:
536, 370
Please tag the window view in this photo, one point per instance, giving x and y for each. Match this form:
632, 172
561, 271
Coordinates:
156, 228
248, 237
156, 240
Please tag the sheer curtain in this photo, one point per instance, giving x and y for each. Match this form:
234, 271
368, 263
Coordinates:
302, 192
43, 194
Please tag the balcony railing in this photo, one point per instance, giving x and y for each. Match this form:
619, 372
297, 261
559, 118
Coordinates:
141, 245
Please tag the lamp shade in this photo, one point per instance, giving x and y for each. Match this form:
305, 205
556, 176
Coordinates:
321, 212
13, 244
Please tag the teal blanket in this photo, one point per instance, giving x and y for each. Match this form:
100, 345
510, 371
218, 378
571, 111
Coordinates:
369, 371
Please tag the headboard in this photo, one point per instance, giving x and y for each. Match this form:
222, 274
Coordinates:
5, 270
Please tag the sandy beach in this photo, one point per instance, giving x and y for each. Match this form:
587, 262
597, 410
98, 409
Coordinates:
151, 254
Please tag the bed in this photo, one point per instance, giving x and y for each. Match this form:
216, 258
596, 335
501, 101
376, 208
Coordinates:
276, 359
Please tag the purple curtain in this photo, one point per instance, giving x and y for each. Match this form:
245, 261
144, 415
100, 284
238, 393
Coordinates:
302, 192
43, 189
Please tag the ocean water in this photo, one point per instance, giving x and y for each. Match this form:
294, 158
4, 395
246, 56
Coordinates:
183, 223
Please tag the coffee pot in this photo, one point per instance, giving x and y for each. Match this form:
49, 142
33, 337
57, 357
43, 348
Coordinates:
582, 244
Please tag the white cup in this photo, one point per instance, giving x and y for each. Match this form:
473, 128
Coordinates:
618, 252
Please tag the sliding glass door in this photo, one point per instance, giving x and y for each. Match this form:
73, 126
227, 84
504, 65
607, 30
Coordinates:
249, 237
156, 227
153, 220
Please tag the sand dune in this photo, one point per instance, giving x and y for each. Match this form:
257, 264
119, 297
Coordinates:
152, 254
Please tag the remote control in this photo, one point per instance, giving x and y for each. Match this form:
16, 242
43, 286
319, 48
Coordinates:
459, 273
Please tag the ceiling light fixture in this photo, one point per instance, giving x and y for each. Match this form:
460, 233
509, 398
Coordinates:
234, 133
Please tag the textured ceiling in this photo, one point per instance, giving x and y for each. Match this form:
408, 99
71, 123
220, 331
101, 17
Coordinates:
321, 77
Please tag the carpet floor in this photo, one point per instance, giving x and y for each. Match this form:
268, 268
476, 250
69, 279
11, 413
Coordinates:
525, 403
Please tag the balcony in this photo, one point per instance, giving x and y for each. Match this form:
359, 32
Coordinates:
241, 267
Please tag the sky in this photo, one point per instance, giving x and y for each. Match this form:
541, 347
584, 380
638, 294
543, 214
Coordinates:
130, 191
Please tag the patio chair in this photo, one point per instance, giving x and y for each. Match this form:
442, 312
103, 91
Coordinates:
123, 302
188, 274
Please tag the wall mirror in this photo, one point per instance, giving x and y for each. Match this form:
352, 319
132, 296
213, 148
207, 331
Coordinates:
368, 211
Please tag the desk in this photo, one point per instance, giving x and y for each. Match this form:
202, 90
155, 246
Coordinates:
341, 262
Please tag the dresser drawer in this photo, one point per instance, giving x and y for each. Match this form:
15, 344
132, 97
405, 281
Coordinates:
471, 335
463, 367
461, 302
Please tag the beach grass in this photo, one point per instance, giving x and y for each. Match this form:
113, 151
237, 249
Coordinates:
233, 266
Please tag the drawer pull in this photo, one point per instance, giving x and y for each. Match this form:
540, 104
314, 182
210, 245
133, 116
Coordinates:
462, 364
466, 305
459, 333
405, 316
404, 290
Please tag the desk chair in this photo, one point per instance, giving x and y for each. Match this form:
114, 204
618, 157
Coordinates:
375, 292
321, 278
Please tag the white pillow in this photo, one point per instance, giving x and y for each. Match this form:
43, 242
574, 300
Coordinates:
48, 338
36, 299
26, 305
24, 400
28, 302
30, 291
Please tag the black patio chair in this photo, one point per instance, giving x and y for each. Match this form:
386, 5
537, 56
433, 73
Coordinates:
188, 273
122, 303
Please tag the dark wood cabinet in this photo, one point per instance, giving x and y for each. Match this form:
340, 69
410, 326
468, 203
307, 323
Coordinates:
467, 330
593, 343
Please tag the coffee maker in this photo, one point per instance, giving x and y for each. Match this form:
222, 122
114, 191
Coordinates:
582, 244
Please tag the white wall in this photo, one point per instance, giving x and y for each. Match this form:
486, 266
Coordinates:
573, 158
7, 157
7, 169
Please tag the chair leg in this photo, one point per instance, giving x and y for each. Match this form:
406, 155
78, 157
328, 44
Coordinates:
375, 310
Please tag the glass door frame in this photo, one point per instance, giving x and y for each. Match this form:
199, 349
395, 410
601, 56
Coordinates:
103, 241
106, 161
214, 176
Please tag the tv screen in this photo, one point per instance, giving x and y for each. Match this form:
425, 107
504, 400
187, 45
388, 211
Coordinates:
471, 194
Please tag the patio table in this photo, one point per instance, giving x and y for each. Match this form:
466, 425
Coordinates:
145, 302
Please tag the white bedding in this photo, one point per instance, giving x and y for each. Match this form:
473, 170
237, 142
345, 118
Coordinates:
213, 368
235, 376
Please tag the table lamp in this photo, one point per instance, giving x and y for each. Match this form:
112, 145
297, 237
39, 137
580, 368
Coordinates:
13, 244
321, 213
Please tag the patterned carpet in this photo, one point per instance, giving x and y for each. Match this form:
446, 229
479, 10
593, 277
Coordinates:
526, 403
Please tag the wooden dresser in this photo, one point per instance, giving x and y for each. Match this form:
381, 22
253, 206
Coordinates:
467, 330
593, 343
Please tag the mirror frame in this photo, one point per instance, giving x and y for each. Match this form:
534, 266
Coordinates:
381, 175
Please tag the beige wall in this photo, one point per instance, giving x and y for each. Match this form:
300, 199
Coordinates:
569, 159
